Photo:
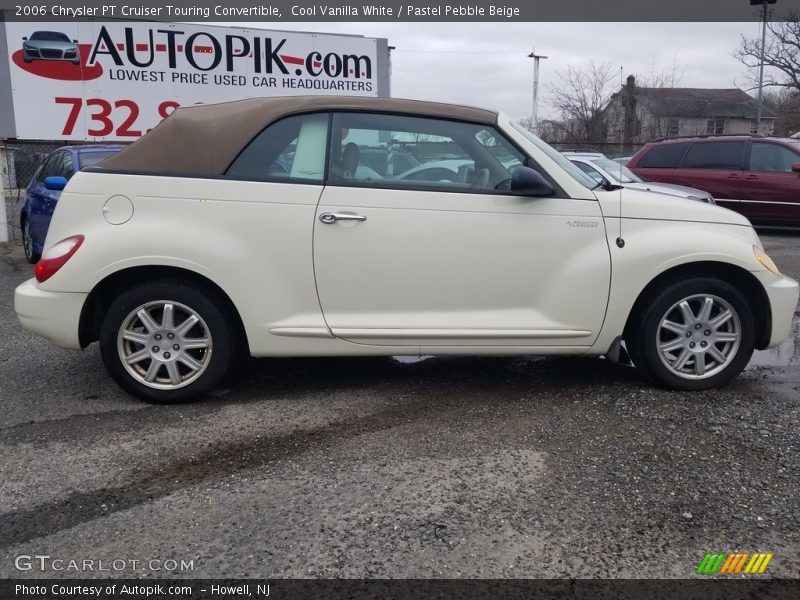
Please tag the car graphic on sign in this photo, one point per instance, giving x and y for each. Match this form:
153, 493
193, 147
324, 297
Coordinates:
50, 45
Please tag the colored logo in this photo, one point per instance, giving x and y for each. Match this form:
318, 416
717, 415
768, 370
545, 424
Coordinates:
733, 563
57, 58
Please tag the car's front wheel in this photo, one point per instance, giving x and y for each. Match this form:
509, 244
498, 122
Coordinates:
167, 341
694, 334
27, 243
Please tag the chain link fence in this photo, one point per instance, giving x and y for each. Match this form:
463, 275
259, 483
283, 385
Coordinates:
19, 161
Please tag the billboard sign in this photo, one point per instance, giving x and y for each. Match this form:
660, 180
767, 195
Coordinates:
116, 80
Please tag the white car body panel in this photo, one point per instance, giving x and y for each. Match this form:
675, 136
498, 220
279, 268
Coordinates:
461, 268
252, 239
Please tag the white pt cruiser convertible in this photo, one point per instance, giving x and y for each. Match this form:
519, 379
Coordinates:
260, 226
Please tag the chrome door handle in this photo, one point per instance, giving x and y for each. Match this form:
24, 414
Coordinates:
330, 218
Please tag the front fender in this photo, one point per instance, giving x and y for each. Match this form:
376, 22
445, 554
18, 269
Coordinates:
655, 247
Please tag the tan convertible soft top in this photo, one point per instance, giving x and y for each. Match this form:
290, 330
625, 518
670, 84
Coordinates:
204, 140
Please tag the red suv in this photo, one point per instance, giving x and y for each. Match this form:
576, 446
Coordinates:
756, 176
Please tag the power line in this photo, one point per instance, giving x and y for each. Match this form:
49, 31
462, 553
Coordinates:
455, 52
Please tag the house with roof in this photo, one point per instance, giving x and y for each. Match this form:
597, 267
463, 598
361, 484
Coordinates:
635, 115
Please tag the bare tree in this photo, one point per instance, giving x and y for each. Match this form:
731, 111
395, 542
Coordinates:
551, 131
527, 123
670, 77
544, 128
785, 103
580, 97
781, 53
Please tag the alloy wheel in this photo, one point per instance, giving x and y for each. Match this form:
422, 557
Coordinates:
164, 344
699, 336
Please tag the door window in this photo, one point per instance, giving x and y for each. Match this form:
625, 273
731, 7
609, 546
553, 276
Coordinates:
50, 167
664, 156
380, 150
715, 155
772, 158
291, 150
63, 167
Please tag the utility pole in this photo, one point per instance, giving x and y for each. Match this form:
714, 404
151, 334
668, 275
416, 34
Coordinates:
763, 4
536, 58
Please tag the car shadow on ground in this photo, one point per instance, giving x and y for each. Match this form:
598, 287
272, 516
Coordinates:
260, 378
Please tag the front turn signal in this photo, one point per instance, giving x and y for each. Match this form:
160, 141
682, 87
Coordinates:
765, 260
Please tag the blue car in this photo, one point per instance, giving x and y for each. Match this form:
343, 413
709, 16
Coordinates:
45, 189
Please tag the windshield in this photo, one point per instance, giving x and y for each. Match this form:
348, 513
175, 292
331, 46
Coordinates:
49, 36
619, 171
560, 159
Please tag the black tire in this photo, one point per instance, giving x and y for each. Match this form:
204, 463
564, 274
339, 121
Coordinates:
27, 243
644, 340
215, 324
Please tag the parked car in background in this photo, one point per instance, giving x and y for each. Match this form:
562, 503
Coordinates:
451, 169
50, 45
437, 170
618, 174
185, 252
756, 176
377, 159
45, 188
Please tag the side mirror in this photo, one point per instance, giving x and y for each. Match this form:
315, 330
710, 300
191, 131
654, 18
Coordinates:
55, 182
24, 39
796, 167
74, 41
527, 182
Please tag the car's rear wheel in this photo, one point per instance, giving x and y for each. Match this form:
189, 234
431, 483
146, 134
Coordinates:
695, 334
27, 243
167, 341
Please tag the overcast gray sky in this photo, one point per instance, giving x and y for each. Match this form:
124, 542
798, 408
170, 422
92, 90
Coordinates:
486, 64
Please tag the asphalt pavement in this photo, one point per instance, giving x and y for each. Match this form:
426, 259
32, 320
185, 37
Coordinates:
376, 467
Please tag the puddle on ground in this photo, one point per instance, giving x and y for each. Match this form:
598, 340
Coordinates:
785, 355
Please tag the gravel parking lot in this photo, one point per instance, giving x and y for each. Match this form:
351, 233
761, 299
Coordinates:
447, 467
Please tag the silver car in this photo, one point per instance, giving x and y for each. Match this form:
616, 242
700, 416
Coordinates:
616, 173
50, 45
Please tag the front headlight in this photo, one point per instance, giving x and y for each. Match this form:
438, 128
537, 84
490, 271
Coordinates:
765, 260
